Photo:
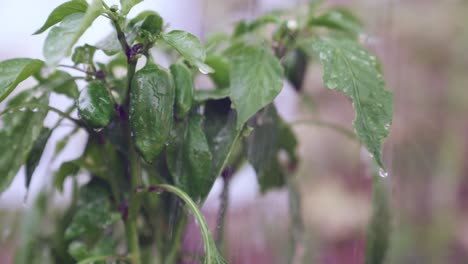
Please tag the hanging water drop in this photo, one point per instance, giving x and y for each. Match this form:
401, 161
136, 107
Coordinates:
383, 173
22, 109
35, 109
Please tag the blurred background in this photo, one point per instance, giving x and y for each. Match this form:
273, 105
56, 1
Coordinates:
422, 46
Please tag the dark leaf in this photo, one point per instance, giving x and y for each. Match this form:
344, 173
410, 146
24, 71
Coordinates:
36, 154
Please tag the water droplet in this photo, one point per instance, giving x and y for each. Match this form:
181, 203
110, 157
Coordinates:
387, 126
22, 109
35, 109
98, 129
203, 70
383, 173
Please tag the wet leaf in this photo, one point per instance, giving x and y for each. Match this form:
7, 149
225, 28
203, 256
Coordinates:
269, 136
62, 38
350, 69
189, 47
21, 129
94, 213
14, 71
62, 83
69, 168
36, 154
256, 79
62, 11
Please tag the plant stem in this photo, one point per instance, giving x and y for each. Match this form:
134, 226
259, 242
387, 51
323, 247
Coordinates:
297, 249
220, 221
173, 254
99, 258
133, 158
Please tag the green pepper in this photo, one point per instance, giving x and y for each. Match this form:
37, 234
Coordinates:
189, 157
151, 110
183, 82
95, 105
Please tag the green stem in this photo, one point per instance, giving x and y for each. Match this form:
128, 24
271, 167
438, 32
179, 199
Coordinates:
173, 254
220, 221
131, 228
297, 248
41, 106
378, 232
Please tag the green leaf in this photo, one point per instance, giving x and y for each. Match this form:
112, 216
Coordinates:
212, 94
189, 158
295, 66
66, 169
62, 83
183, 82
153, 23
94, 213
14, 71
189, 47
221, 132
21, 129
350, 69
339, 19
220, 65
270, 135
62, 38
256, 79
126, 5
247, 27
36, 154
62, 11
84, 54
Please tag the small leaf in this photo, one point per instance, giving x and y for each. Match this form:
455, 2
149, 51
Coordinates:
14, 71
62, 38
220, 65
269, 136
350, 69
189, 47
20, 131
153, 23
83, 54
141, 16
62, 83
189, 158
338, 19
66, 169
212, 94
36, 154
256, 79
94, 213
126, 6
295, 66
62, 11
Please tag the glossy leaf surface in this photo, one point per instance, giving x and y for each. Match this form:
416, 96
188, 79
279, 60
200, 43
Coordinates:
256, 79
14, 71
350, 69
95, 105
183, 81
62, 11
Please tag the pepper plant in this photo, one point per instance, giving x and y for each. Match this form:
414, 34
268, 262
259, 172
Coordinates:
155, 143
